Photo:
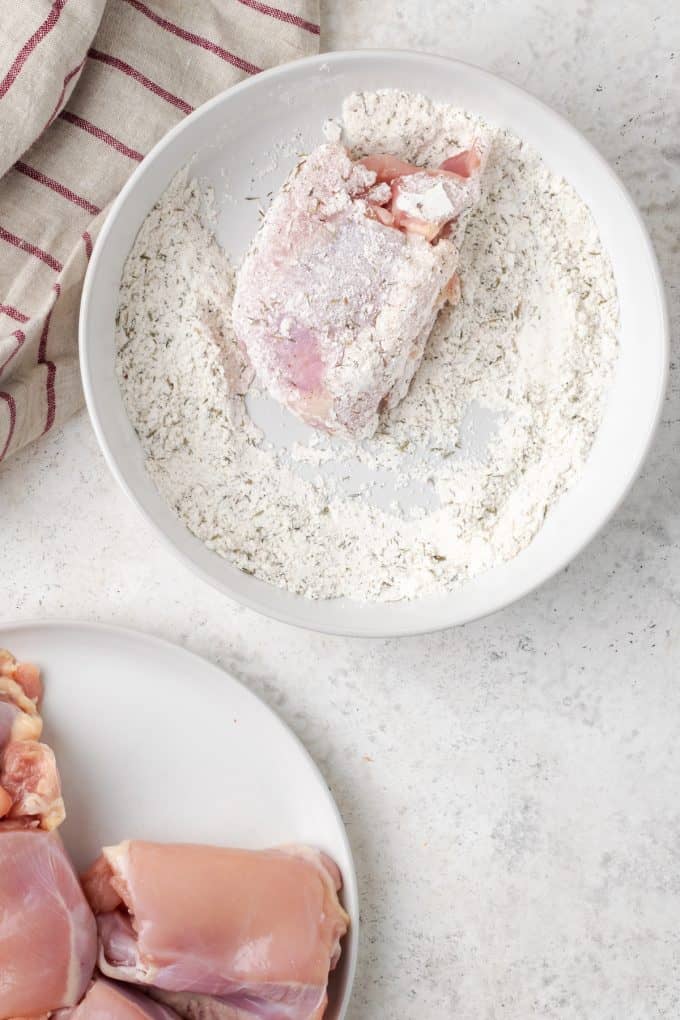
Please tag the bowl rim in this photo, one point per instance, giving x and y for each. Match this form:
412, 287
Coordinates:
402, 627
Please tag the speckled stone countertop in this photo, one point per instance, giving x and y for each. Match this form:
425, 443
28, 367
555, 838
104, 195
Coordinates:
510, 788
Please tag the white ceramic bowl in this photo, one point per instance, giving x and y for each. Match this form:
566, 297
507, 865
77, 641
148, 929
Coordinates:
237, 131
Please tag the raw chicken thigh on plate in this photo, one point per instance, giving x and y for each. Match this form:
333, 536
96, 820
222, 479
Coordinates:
340, 289
220, 934
48, 935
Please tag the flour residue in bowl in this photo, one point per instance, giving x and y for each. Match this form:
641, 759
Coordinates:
497, 423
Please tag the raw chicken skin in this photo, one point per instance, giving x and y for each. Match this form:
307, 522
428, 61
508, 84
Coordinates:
425, 202
220, 933
340, 289
30, 781
20, 693
107, 1000
16, 724
48, 936
30, 789
24, 674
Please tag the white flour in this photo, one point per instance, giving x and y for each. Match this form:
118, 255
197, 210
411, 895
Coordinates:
526, 356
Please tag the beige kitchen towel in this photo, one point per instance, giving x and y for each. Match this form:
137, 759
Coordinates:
86, 88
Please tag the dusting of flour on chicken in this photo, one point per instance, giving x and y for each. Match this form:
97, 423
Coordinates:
529, 349
339, 291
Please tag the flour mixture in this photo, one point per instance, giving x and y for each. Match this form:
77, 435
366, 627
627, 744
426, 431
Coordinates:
460, 475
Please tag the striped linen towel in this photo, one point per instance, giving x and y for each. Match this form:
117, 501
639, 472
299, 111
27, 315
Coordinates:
86, 88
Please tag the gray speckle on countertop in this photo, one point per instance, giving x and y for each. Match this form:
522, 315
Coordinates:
510, 788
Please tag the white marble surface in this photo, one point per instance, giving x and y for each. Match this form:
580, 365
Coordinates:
510, 788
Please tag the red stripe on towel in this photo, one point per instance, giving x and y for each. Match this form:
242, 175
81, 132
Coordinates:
32, 249
13, 313
61, 189
9, 400
197, 40
51, 367
101, 135
30, 44
290, 19
69, 77
132, 72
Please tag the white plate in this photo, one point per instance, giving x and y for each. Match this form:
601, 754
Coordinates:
156, 743
233, 137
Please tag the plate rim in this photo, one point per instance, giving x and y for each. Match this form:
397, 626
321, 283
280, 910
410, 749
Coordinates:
317, 620
134, 634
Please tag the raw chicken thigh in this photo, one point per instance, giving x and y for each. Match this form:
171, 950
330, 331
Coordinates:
107, 1000
48, 935
340, 289
220, 934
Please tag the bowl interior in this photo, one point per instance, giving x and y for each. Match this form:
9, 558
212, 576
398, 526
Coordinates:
254, 131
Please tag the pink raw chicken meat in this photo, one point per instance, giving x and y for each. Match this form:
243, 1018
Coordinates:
107, 1000
340, 289
220, 934
48, 935
30, 790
